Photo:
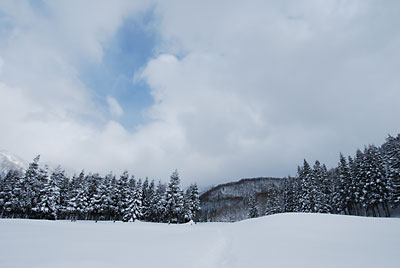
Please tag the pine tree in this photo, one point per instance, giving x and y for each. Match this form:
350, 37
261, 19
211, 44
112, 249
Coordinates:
62, 182
105, 197
391, 154
49, 200
31, 189
376, 189
194, 201
134, 207
174, 200
93, 196
342, 194
148, 199
191, 203
158, 205
306, 201
273, 205
124, 197
10, 187
253, 212
320, 189
289, 194
78, 204
114, 199
354, 191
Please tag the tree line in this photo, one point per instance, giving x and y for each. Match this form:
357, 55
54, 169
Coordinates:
36, 194
366, 184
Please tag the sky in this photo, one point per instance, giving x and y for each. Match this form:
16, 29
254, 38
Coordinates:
219, 90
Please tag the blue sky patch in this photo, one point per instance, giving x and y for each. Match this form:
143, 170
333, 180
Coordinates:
127, 53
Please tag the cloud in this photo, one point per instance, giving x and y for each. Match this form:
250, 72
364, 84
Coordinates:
114, 107
244, 89
257, 91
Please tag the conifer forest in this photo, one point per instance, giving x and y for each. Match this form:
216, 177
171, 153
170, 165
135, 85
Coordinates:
366, 184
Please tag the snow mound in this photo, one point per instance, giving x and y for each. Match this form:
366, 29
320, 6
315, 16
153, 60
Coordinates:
285, 240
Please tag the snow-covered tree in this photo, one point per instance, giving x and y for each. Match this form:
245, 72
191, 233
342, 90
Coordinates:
306, 202
158, 205
31, 188
376, 189
63, 184
342, 194
10, 193
174, 199
191, 203
391, 154
78, 204
253, 211
49, 199
320, 189
273, 205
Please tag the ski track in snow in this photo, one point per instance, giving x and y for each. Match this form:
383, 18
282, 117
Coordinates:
216, 255
286, 240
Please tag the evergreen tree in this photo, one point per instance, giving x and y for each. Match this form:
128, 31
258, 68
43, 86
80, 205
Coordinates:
78, 204
376, 189
354, 191
9, 197
289, 195
134, 206
342, 193
194, 201
31, 189
105, 197
359, 176
174, 199
62, 182
159, 203
114, 199
191, 203
320, 189
148, 199
273, 205
49, 200
124, 197
306, 202
391, 154
93, 196
253, 212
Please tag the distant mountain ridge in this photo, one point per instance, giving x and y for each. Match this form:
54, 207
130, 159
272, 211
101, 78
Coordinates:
9, 161
229, 201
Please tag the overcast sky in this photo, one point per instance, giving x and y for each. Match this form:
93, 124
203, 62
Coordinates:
219, 90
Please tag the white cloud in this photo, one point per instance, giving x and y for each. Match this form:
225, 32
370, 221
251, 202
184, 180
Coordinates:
244, 89
114, 107
263, 85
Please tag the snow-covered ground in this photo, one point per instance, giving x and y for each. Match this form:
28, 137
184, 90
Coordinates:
286, 240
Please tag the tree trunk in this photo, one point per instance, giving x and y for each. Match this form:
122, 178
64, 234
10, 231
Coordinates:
373, 211
386, 209
357, 210
379, 211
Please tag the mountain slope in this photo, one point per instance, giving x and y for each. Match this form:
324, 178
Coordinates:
229, 202
9, 161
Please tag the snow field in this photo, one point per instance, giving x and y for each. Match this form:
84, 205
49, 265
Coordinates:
284, 240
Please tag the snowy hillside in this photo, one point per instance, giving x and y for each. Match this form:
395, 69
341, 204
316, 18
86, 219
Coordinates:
284, 240
229, 201
9, 162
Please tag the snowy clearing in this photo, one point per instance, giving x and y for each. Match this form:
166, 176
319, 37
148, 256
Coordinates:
285, 240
